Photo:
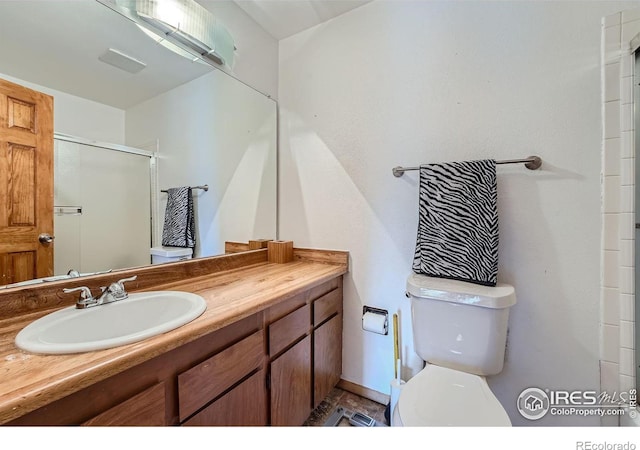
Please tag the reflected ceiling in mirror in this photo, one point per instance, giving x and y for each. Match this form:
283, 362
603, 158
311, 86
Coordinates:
58, 44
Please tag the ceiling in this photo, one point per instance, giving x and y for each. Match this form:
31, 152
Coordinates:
56, 44
283, 18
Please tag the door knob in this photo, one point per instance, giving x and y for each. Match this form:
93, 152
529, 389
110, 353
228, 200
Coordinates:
45, 238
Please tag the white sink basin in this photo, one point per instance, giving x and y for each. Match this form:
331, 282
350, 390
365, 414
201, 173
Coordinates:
138, 317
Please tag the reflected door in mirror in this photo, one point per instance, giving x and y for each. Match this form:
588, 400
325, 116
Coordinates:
26, 183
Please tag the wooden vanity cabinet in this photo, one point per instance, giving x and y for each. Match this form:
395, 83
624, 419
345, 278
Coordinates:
271, 368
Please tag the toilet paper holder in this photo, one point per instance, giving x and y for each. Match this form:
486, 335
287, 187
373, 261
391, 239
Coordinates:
383, 319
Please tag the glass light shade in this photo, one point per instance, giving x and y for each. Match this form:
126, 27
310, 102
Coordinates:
162, 40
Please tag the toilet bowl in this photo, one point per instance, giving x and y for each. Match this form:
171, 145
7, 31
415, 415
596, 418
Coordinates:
440, 397
460, 332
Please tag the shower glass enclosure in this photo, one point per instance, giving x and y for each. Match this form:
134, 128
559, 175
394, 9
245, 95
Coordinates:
102, 206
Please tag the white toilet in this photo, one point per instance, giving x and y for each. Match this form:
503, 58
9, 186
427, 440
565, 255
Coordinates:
460, 331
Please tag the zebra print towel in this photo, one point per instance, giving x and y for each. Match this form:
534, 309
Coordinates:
458, 223
179, 224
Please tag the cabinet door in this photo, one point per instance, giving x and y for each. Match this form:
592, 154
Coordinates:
291, 385
244, 405
327, 358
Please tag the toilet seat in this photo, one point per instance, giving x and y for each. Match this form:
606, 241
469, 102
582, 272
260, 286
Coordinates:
438, 396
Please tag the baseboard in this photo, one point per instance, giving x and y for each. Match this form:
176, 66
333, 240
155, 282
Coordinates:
362, 391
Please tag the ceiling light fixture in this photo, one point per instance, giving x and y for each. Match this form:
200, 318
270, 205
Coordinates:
185, 24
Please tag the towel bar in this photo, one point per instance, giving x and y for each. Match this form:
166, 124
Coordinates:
204, 188
531, 163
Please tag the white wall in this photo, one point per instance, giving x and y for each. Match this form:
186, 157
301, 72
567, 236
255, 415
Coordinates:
404, 83
78, 116
214, 130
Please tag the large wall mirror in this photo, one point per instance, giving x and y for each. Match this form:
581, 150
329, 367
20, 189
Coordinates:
123, 137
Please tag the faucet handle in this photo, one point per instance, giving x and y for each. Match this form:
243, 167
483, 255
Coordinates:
117, 289
86, 299
121, 283
85, 292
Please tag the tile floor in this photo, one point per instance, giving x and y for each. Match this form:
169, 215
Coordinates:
347, 400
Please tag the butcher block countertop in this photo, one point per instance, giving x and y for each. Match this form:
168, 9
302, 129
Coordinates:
234, 286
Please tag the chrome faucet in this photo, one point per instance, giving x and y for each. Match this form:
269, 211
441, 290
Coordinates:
110, 294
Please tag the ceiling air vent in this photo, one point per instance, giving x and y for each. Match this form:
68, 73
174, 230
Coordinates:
124, 62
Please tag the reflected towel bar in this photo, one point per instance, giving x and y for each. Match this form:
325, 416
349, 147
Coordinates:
204, 188
531, 163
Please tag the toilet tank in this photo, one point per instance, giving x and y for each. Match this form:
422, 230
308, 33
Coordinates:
460, 325
161, 255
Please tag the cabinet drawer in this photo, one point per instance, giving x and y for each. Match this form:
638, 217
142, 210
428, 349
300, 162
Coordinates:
145, 409
202, 383
326, 306
291, 327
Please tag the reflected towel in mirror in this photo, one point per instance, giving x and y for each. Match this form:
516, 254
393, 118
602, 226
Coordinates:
179, 222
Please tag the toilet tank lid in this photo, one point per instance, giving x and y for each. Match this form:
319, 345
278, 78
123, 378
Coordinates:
498, 297
169, 252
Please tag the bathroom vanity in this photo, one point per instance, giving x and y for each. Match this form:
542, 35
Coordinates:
266, 351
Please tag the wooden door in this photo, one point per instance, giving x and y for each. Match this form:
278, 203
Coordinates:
26, 183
